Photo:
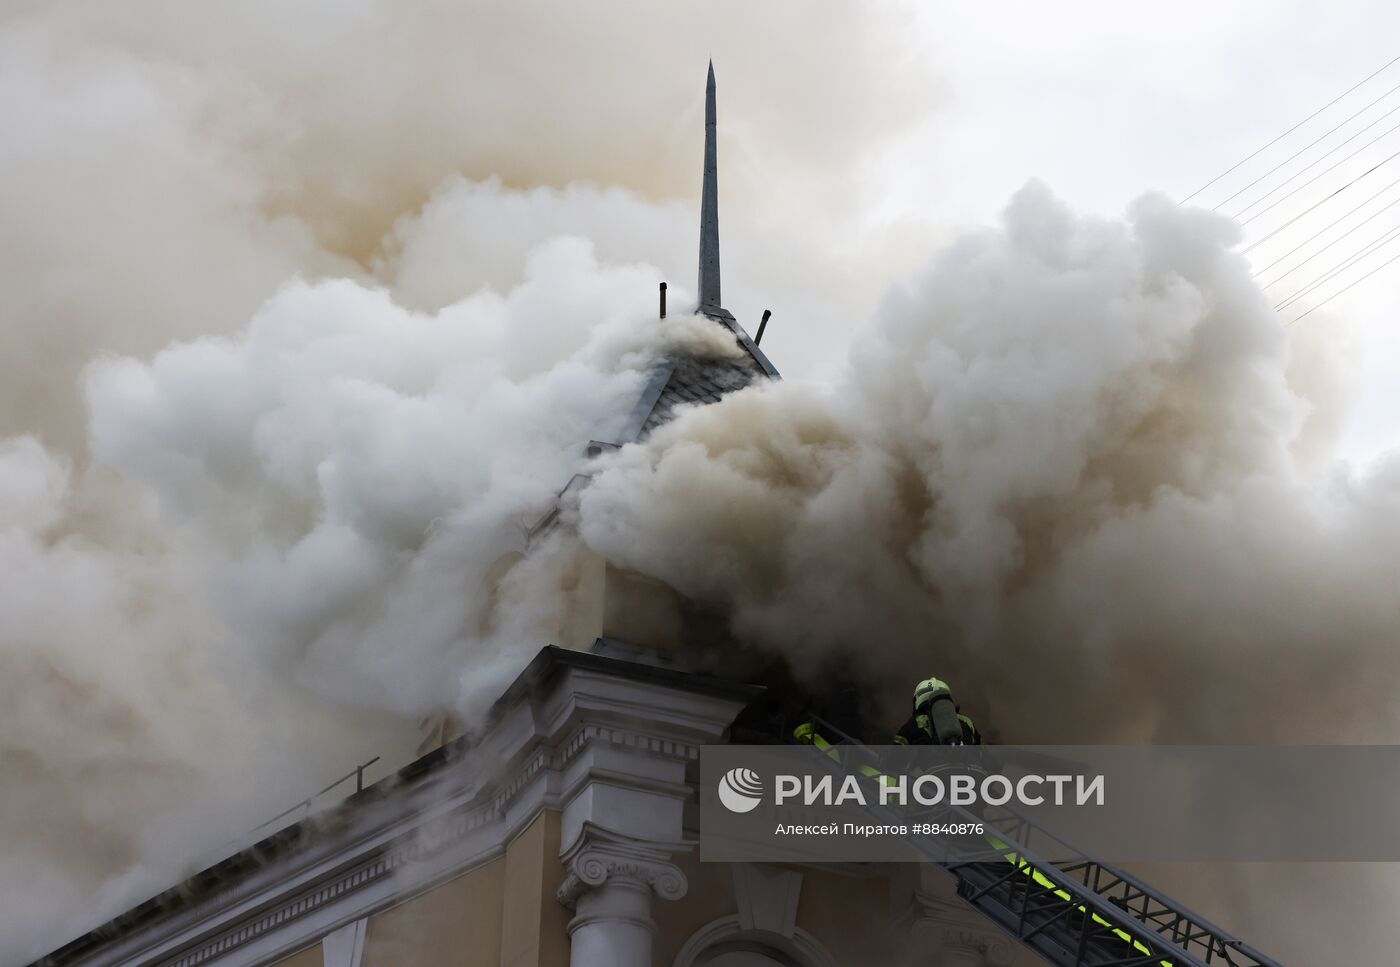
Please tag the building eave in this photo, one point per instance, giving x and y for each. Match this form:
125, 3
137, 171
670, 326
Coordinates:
328, 845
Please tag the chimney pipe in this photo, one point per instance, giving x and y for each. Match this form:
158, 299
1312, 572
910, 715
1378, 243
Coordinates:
761, 323
663, 300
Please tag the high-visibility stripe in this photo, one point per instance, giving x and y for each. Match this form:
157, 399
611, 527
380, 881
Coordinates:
806, 733
1042, 880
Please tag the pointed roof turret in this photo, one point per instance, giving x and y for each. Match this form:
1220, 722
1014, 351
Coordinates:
689, 379
708, 286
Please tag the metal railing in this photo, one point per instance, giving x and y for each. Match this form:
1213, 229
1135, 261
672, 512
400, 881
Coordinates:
1070, 908
358, 774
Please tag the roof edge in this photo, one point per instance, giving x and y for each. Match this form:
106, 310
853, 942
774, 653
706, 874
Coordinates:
547, 665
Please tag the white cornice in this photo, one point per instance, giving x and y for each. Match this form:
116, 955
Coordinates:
588, 731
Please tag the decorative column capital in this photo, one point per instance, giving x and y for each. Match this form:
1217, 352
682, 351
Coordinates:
951, 934
601, 856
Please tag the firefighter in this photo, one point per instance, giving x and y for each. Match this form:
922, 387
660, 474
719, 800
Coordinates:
937, 719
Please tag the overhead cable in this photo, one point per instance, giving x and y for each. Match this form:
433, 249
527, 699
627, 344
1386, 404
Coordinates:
1345, 288
1260, 241
1375, 245
1295, 154
1287, 133
1324, 229
1320, 174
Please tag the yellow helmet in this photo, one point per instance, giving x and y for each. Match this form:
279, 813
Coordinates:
933, 702
929, 689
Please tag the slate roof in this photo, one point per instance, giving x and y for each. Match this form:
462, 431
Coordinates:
681, 380
676, 381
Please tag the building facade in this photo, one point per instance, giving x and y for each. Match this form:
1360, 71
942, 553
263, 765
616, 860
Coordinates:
563, 835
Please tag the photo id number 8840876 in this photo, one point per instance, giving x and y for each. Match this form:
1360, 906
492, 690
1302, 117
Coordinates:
947, 829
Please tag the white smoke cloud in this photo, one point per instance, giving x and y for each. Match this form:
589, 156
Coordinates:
250, 527
362, 468
320, 539
126, 757
1061, 457
274, 532
167, 166
1061, 471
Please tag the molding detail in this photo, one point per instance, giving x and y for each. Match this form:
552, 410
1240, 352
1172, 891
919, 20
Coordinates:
605, 742
413, 847
439, 834
952, 933
627, 738
600, 855
767, 897
345, 946
801, 945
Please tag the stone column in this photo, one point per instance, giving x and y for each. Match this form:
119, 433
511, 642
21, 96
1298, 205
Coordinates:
610, 886
627, 737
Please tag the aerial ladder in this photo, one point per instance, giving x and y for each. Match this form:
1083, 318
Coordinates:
1068, 907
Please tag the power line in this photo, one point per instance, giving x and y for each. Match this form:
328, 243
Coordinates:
1323, 230
1320, 174
1286, 133
1295, 154
1370, 248
1249, 248
1344, 288
1375, 245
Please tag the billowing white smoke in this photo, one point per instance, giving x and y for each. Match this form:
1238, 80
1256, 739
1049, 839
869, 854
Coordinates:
1070, 465
361, 468
1067, 469
132, 734
232, 566
1059, 470
328, 531
167, 166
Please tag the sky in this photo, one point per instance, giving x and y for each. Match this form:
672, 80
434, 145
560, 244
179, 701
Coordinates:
1104, 101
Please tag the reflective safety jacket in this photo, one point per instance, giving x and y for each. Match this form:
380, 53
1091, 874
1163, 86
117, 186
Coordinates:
919, 731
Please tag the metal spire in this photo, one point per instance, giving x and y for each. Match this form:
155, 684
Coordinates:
708, 286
